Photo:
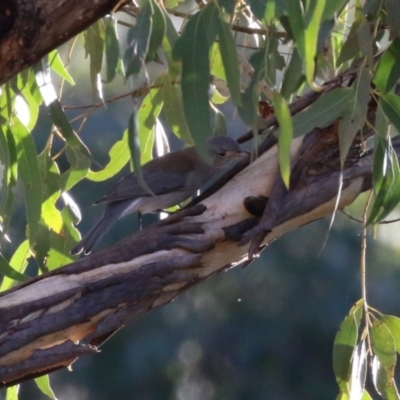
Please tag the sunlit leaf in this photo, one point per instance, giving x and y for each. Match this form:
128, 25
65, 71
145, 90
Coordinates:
343, 348
393, 324
58, 66
12, 393
119, 155
18, 262
147, 115
358, 372
43, 383
62, 242
384, 361
285, 136
30, 176
79, 167
7, 270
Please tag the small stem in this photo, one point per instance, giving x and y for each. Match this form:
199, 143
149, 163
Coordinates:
363, 268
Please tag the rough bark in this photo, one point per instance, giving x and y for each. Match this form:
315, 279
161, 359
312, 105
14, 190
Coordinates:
30, 29
48, 322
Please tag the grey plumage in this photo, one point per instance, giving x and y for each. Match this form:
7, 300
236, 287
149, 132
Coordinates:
173, 178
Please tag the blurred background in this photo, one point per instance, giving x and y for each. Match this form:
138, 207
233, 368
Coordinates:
263, 332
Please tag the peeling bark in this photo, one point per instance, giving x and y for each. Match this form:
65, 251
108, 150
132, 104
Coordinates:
47, 322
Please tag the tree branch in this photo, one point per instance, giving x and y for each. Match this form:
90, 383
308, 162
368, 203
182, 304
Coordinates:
32, 28
48, 322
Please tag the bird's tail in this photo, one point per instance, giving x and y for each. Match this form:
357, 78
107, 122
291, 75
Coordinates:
112, 213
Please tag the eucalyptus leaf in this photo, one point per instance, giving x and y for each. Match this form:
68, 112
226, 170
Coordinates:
356, 112
285, 136
192, 48
119, 155
387, 71
230, 59
111, 44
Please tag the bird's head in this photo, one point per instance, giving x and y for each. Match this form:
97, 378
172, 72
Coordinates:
224, 149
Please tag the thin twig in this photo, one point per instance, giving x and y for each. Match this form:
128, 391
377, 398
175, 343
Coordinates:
363, 269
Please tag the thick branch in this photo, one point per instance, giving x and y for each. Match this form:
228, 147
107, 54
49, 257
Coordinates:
49, 321
30, 29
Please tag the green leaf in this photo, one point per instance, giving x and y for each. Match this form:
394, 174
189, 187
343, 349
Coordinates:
62, 242
8, 271
113, 59
94, 44
343, 348
147, 115
365, 41
391, 106
12, 393
355, 113
351, 47
193, 48
119, 156
18, 263
134, 146
58, 67
387, 71
230, 59
293, 75
285, 136
392, 17
8, 157
313, 19
79, 167
332, 7
61, 122
322, 113
28, 170
393, 324
358, 372
43, 383
384, 362
173, 110
139, 40
157, 32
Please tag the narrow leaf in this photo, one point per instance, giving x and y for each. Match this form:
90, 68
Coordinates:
7, 270
322, 113
356, 112
113, 59
285, 136
230, 59
43, 383
58, 66
119, 155
387, 71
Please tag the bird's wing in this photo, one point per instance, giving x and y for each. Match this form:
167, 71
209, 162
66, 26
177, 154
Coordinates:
158, 181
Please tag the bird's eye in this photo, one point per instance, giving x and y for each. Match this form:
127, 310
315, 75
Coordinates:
222, 153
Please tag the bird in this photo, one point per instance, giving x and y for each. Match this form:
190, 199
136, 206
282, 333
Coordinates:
173, 178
